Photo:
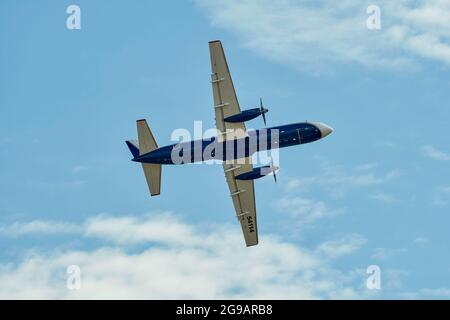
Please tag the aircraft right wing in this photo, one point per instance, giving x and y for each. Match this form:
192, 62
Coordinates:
226, 104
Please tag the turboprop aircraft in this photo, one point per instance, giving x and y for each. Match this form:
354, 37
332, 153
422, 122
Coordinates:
233, 145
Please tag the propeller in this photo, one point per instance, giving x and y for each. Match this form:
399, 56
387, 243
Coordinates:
274, 169
263, 110
270, 168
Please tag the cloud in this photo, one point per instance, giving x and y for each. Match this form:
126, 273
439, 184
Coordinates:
435, 154
78, 169
421, 241
436, 293
427, 293
305, 209
161, 257
445, 190
316, 34
441, 196
334, 180
37, 227
362, 180
386, 253
162, 228
138, 260
382, 197
341, 247
393, 278
367, 166
294, 184
337, 181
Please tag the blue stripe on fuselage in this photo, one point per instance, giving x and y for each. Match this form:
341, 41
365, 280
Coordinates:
209, 149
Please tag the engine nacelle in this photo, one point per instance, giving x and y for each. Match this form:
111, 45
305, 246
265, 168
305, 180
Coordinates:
256, 173
245, 115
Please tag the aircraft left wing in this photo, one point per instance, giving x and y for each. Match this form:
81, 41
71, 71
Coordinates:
243, 194
225, 100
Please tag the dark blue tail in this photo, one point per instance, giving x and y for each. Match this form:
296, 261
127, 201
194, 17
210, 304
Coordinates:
133, 148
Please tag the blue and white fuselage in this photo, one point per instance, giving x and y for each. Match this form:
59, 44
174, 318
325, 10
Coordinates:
219, 149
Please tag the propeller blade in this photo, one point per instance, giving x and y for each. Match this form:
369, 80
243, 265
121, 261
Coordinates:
263, 110
274, 169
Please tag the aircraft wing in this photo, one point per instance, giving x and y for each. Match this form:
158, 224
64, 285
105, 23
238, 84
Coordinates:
226, 104
225, 101
243, 194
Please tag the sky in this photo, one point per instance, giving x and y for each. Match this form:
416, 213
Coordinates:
375, 192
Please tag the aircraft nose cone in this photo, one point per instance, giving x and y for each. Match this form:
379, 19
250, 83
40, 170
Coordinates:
324, 129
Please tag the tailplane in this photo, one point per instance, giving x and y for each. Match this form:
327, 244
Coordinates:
146, 140
147, 143
153, 176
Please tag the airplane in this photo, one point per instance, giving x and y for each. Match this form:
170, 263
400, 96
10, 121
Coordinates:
233, 145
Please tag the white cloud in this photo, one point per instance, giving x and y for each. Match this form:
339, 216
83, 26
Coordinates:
421, 241
382, 197
162, 228
436, 293
427, 293
393, 278
386, 253
337, 181
78, 169
38, 227
435, 154
444, 189
314, 34
179, 261
334, 180
367, 166
293, 184
341, 247
305, 209
202, 263
441, 196
362, 180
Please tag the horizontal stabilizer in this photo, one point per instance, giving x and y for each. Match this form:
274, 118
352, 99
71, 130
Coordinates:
147, 143
153, 176
146, 140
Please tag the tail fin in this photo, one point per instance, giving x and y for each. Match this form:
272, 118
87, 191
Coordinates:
148, 143
132, 145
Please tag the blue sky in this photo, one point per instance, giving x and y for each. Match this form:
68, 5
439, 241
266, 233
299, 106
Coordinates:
376, 191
